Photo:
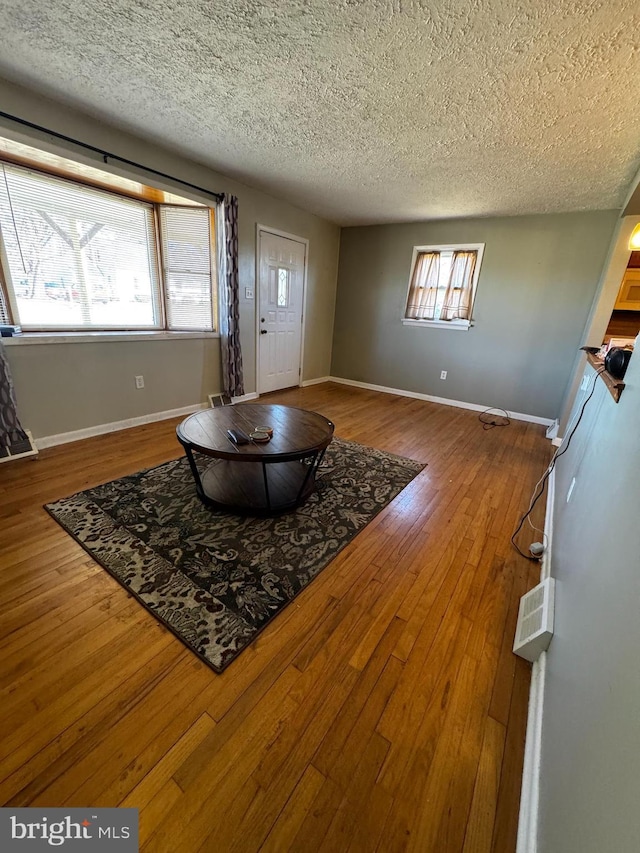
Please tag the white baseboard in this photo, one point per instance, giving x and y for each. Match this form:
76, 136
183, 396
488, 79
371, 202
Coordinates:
114, 426
306, 382
545, 569
101, 429
445, 401
530, 793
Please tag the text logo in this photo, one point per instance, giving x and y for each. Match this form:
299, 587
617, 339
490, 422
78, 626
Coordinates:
80, 830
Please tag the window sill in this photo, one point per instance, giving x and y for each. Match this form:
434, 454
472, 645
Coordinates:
31, 338
457, 325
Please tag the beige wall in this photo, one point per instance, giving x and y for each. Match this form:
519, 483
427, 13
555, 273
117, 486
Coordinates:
590, 764
181, 373
537, 283
67, 387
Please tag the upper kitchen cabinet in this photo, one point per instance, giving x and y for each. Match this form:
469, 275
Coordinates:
629, 293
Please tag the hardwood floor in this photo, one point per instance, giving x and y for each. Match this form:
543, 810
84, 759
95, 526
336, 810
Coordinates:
382, 710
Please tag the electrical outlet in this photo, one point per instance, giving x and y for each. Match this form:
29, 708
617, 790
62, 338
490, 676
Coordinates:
443, 374
585, 383
139, 381
571, 488
248, 293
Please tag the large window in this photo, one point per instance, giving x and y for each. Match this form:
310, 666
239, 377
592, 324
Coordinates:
442, 285
79, 258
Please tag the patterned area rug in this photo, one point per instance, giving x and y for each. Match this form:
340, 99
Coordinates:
216, 579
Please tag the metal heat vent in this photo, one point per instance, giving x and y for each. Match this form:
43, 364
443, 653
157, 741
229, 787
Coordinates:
20, 449
535, 621
218, 400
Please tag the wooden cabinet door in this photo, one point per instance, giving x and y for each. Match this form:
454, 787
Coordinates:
629, 295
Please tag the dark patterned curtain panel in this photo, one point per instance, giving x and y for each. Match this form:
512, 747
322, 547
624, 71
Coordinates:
13, 439
229, 301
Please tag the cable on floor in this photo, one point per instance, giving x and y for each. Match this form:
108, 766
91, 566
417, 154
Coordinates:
540, 486
490, 421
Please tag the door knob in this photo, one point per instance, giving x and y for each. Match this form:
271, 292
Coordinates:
263, 331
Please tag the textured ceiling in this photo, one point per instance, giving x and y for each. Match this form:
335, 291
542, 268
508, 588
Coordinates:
359, 111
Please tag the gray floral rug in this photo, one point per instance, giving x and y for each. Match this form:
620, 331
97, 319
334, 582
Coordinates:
216, 579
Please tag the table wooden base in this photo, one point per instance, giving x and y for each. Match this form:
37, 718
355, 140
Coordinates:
240, 487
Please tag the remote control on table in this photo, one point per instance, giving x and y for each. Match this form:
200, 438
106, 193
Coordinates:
237, 436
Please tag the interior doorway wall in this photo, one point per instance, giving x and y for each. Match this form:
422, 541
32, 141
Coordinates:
596, 326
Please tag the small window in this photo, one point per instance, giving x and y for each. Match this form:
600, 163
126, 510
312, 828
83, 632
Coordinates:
283, 288
442, 285
187, 260
79, 258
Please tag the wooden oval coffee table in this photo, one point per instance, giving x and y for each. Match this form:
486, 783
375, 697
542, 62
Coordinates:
256, 479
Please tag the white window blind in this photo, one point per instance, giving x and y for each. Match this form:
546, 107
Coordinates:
188, 267
78, 257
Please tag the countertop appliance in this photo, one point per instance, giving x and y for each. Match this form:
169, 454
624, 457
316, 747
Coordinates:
616, 361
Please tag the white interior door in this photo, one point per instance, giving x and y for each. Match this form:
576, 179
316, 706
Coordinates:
280, 285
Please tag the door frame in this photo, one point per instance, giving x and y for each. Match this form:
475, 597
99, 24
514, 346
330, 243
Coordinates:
603, 301
278, 233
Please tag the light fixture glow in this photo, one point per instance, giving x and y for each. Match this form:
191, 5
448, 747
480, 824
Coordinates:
634, 240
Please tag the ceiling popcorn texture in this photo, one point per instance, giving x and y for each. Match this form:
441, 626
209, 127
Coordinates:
361, 112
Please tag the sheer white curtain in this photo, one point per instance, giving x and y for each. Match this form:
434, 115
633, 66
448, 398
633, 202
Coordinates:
423, 291
457, 298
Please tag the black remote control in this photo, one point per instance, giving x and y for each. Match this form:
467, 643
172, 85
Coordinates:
237, 436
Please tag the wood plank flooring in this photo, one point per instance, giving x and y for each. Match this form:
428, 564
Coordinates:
381, 711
